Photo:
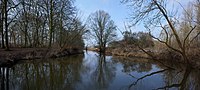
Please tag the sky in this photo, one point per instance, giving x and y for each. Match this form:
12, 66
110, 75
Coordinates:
120, 13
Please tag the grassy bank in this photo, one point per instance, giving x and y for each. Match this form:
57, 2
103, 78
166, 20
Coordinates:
160, 55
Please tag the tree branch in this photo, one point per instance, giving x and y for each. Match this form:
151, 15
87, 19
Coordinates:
13, 7
170, 24
195, 37
167, 36
13, 19
188, 36
164, 42
153, 73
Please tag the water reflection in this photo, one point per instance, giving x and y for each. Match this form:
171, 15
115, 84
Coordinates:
44, 75
187, 79
104, 72
184, 78
135, 64
96, 72
4, 72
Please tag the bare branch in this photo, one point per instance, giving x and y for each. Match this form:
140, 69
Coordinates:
167, 36
13, 7
170, 24
188, 35
185, 10
163, 42
13, 18
195, 37
166, 44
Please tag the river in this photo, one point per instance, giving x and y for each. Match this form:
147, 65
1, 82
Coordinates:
93, 72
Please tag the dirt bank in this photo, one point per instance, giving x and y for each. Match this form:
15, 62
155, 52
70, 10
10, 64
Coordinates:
9, 58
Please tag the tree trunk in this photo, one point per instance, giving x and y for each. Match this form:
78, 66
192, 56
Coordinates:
1, 26
181, 45
51, 23
6, 24
25, 36
25, 24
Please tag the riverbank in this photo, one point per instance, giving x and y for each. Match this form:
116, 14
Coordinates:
124, 52
130, 53
164, 56
9, 58
83, 72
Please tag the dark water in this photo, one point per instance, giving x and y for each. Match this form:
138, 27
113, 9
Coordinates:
94, 72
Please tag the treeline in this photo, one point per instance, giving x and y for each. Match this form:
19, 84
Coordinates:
132, 40
40, 23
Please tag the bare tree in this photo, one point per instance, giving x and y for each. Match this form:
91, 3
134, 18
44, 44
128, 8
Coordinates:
6, 22
40, 23
1, 24
8, 6
72, 34
156, 13
102, 28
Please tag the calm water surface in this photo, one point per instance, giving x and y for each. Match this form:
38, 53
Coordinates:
93, 72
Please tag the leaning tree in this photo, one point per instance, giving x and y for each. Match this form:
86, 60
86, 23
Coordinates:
156, 15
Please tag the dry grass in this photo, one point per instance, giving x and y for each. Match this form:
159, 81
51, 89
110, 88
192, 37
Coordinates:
129, 53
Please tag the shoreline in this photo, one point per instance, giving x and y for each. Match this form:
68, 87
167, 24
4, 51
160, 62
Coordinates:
163, 57
10, 58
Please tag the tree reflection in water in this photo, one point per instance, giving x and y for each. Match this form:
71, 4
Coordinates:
184, 78
43, 75
104, 73
181, 79
97, 72
4, 78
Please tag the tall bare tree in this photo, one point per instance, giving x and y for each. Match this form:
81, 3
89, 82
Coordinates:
102, 28
6, 23
1, 23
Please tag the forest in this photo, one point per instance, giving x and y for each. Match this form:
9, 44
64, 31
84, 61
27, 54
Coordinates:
40, 23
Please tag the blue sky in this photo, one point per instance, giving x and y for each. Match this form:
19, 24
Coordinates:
119, 12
